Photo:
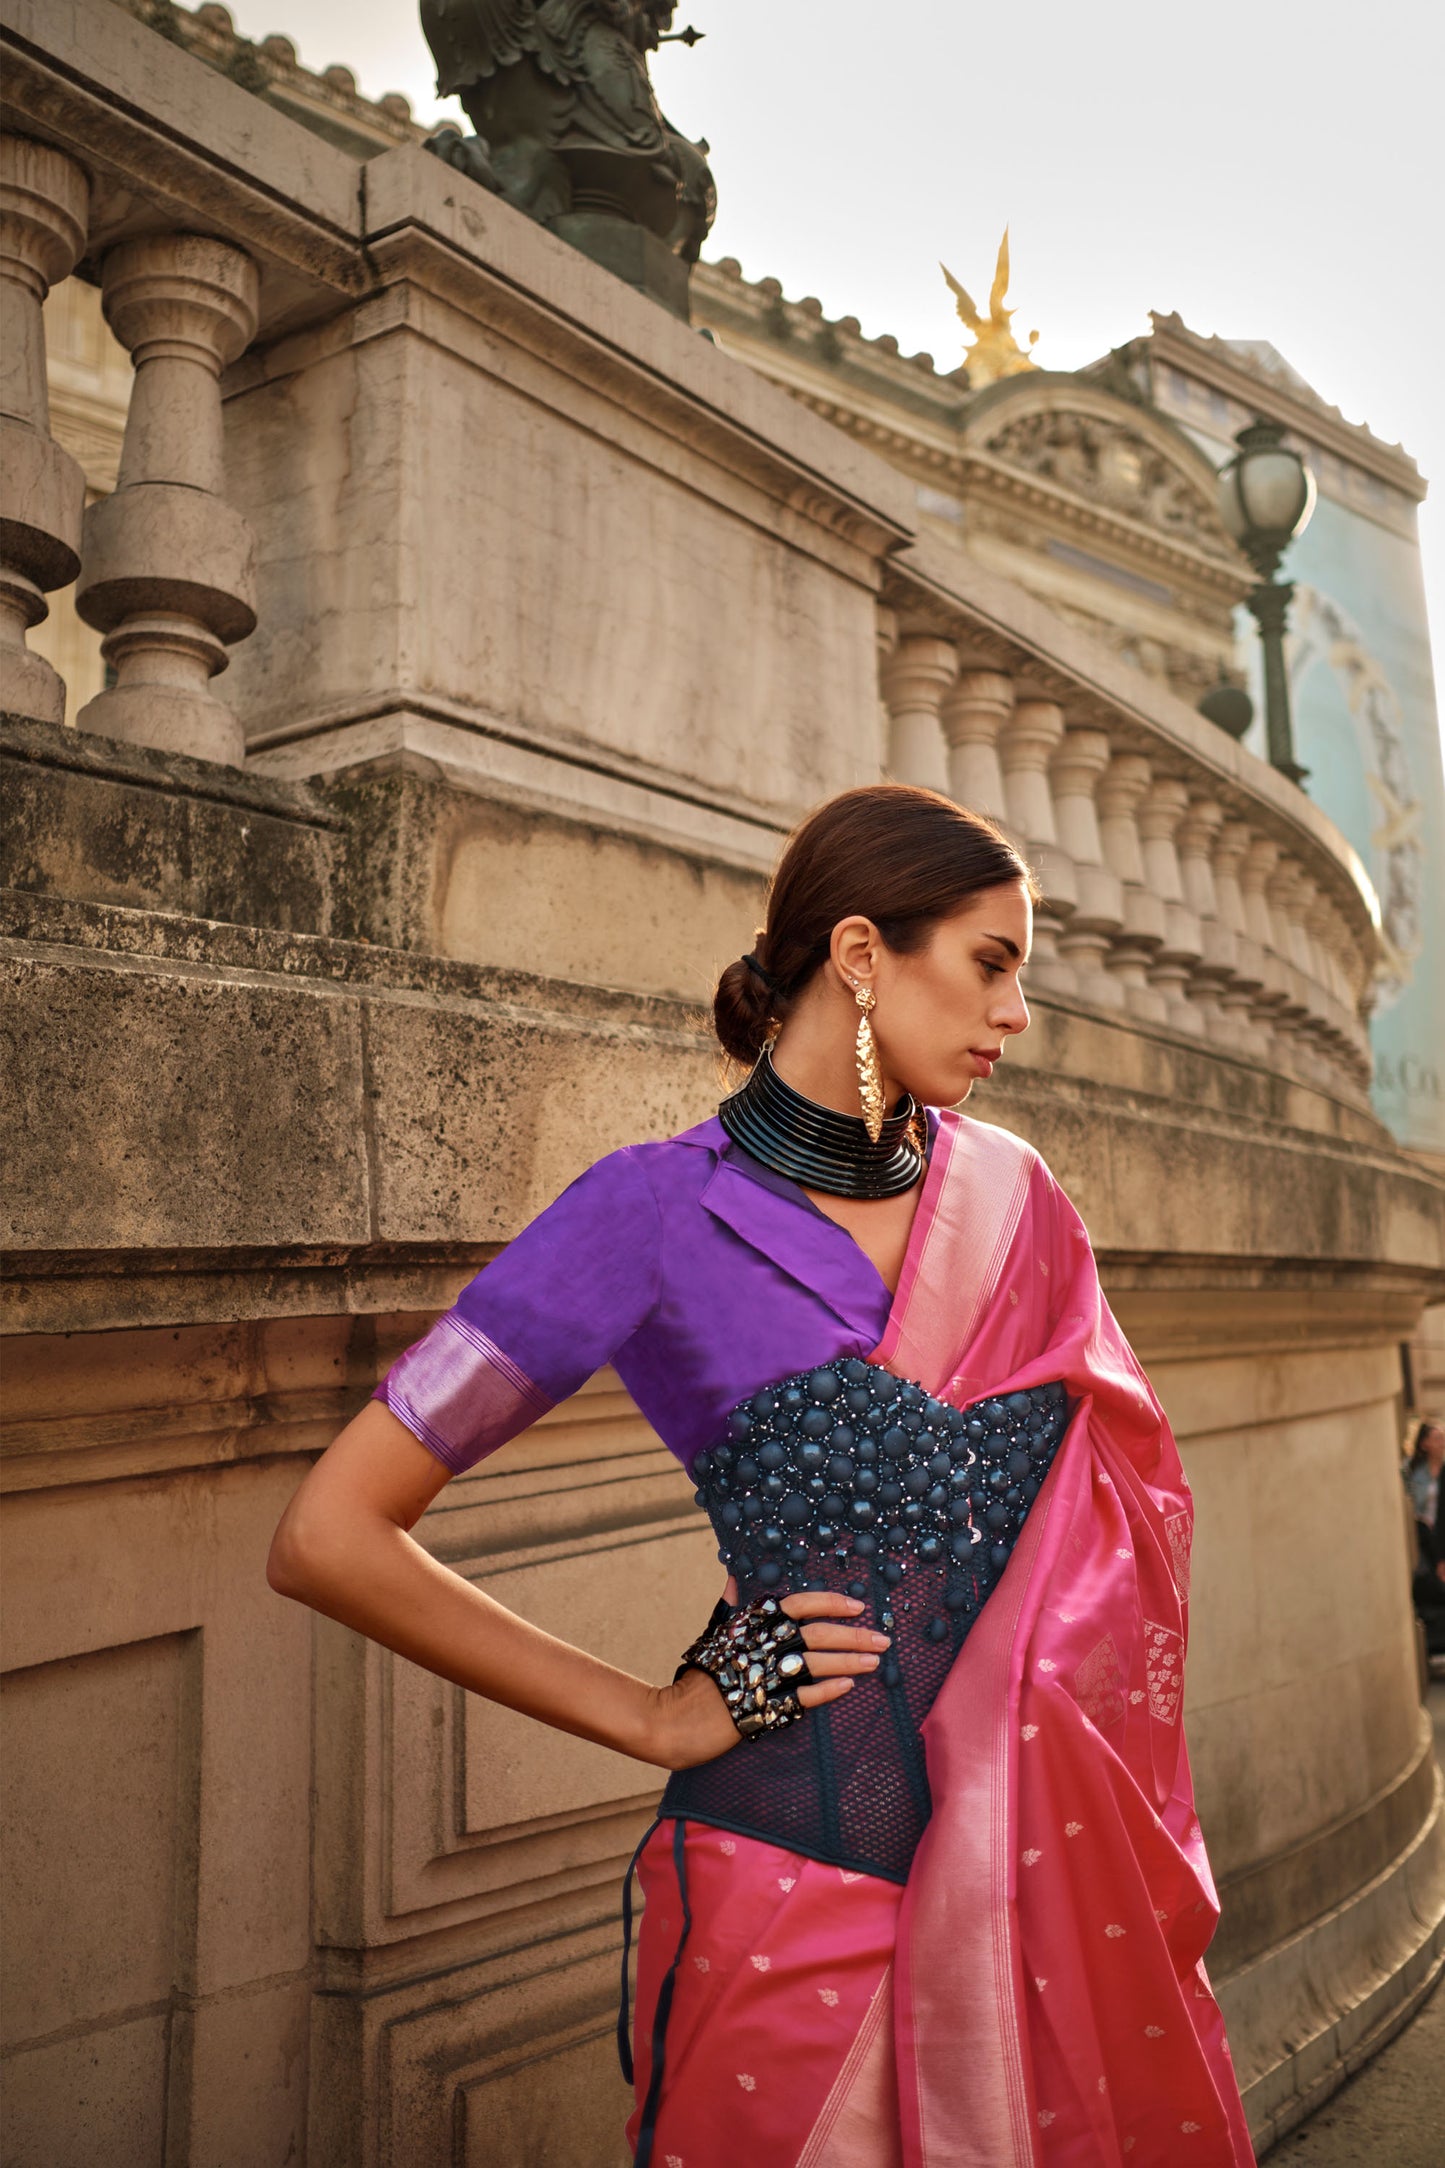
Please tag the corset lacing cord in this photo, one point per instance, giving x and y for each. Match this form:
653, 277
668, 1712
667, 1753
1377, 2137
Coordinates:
647, 2127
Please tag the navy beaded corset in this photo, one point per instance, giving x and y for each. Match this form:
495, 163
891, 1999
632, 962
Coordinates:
848, 1477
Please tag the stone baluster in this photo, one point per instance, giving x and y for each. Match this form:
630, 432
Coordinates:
1260, 860
1357, 994
1294, 1009
1368, 995
972, 713
1319, 1023
167, 573
1099, 910
1332, 942
1241, 1030
44, 207
1180, 953
1028, 739
1124, 783
1335, 944
1194, 841
915, 678
887, 641
1327, 932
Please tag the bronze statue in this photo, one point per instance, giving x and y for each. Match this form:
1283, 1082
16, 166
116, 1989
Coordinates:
569, 131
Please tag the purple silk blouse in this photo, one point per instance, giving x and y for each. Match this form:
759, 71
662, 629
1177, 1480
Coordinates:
698, 1273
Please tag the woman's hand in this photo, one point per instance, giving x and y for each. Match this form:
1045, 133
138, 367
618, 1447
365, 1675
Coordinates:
692, 1717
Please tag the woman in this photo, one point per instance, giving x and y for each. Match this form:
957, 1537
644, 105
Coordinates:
927, 1884
1422, 1473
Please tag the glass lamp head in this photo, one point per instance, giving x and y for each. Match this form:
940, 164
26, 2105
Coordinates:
1266, 495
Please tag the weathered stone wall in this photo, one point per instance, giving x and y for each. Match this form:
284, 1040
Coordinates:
294, 1149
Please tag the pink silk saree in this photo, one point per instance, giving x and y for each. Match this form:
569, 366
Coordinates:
1036, 1996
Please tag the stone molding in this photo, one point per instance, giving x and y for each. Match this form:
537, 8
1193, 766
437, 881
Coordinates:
1342, 1986
1275, 1897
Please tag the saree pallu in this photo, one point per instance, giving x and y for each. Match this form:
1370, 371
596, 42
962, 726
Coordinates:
1035, 1996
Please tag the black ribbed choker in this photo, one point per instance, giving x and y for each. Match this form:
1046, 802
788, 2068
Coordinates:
819, 1147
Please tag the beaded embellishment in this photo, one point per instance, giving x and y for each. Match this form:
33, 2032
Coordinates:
846, 1477
850, 1460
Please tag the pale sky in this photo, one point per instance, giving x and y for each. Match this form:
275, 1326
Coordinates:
1269, 168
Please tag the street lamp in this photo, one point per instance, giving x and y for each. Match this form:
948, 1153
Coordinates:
1266, 495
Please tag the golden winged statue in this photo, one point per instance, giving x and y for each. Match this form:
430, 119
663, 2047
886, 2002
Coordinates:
995, 352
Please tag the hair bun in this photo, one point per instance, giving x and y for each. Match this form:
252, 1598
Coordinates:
742, 1011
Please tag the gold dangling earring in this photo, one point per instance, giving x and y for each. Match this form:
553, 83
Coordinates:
870, 1069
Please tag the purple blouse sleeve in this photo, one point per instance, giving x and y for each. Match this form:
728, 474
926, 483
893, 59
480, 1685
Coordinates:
564, 1296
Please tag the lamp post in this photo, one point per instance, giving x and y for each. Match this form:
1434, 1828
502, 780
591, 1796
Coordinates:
1266, 495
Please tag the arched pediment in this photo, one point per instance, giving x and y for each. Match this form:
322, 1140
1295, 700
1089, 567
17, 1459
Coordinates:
1106, 452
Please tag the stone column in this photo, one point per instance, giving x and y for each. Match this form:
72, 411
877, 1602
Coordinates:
44, 207
1260, 860
1296, 894
887, 641
1242, 1031
1331, 942
1323, 928
1319, 1022
167, 571
1194, 841
915, 678
1176, 960
972, 713
1124, 783
1348, 973
1293, 1009
1028, 739
1084, 943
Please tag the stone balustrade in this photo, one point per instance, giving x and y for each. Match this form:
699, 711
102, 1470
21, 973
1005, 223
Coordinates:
1185, 886
164, 563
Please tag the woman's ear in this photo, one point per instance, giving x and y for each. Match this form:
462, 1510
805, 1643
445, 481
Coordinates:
853, 950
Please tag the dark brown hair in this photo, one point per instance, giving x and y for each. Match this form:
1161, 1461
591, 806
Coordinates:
903, 857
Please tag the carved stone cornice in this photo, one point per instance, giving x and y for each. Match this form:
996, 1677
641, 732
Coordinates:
929, 437
1220, 363
328, 102
989, 474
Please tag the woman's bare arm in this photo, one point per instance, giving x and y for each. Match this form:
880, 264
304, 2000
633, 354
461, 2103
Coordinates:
344, 1547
